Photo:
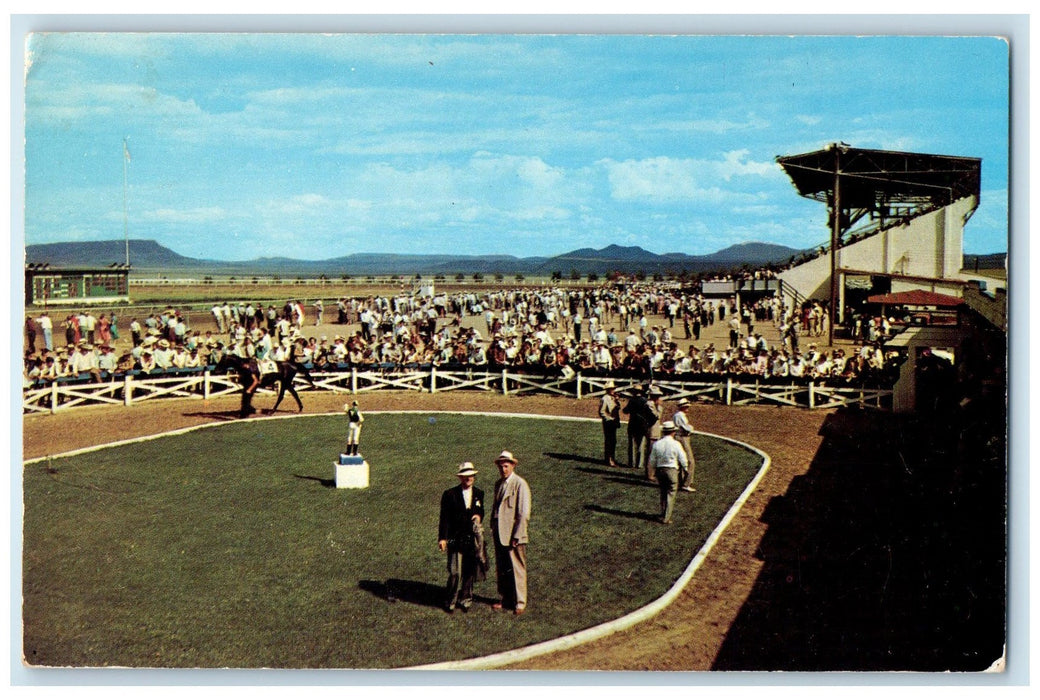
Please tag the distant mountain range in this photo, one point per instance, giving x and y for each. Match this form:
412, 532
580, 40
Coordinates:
149, 256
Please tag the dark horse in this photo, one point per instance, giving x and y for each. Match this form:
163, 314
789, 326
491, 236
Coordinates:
250, 378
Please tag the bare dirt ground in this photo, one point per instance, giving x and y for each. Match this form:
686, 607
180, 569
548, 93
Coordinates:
687, 636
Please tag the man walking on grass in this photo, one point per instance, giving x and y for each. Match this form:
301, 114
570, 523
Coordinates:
666, 459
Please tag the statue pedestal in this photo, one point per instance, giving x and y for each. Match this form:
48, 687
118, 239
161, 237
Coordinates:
351, 472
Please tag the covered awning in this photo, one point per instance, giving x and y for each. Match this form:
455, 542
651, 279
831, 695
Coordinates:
868, 190
916, 297
871, 179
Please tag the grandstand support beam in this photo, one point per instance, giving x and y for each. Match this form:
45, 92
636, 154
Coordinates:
835, 236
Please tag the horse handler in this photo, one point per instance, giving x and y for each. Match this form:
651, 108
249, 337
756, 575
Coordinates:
460, 534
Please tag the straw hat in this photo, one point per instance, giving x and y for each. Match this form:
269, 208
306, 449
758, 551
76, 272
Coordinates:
466, 469
506, 456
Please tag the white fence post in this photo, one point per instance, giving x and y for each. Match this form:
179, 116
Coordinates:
128, 390
505, 383
205, 385
812, 394
433, 379
729, 391
578, 385
353, 380
54, 397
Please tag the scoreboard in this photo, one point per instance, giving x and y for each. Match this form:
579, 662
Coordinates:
79, 286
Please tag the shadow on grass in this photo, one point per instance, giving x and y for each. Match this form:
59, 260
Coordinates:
621, 513
395, 590
633, 481
573, 458
327, 483
601, 472
625, 476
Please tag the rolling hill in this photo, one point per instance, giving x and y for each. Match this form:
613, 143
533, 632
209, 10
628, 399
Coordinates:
150, 256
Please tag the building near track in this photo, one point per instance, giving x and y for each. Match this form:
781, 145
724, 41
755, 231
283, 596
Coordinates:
79, 286
896, 225
896, 221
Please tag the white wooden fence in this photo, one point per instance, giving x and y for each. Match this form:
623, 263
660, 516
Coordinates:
131, 389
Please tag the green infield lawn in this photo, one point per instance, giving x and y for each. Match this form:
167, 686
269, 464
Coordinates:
230, 546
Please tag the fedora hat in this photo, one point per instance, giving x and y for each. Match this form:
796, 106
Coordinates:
684, 402
506, 456
466, 469
668, 427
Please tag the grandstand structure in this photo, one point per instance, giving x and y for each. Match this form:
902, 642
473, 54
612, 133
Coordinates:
896, 222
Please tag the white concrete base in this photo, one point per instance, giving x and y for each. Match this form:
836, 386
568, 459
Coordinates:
351, 476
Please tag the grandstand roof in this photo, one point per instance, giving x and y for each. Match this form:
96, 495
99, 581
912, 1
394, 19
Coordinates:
916, 297
870, 179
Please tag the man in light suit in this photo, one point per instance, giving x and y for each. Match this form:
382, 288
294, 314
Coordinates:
509, 517
462, 515
610, 417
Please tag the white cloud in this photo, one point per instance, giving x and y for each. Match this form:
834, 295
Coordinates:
505, 186
297, 205
653, 178
358, 204
180, 216
86, 102
872, 137
531, 171
709, 126
293, 96
673, 179
735, 163
540, 213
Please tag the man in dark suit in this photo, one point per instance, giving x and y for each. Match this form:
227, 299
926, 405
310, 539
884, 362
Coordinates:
462, 516
640, 419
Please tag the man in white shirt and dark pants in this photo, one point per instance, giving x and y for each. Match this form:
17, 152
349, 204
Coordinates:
666, 458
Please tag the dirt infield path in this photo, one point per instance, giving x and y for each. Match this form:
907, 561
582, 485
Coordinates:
687, 636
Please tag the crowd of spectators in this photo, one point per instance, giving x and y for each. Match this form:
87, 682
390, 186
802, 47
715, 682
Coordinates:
640, 331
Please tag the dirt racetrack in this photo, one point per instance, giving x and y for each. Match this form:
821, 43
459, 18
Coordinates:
687, 636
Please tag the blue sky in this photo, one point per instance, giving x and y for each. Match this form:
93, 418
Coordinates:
317, 146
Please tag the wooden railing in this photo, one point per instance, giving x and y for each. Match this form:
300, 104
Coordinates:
204, 384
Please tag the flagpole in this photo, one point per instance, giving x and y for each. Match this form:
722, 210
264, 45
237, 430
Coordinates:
126, 225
